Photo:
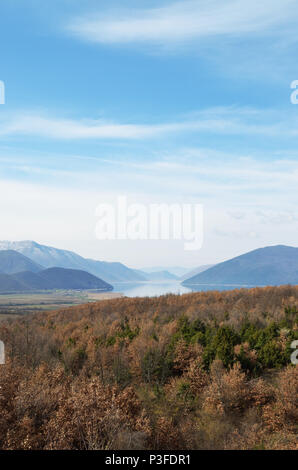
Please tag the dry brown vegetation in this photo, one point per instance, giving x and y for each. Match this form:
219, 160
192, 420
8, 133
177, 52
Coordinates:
207, 370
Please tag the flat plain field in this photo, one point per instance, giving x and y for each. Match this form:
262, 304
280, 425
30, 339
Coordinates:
15, 305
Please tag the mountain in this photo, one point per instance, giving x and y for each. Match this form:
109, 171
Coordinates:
60, 278
33, 281
50, 257
52, 278
178, 271
196, 271
274, 265
13, 262
9, 284
160, 276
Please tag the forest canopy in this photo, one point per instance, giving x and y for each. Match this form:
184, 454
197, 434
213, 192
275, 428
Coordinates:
209, 370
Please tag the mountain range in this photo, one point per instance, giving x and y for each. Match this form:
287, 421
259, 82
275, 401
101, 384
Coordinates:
12, 262
178, 271
30, 266
18, 273
196, 271
112, 272
160, 276
50, 257
273, 265
51, 279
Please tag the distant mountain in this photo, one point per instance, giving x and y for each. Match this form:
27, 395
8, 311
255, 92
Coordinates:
13, 262
61, 278
196, 271
33, 281
52, 278
161, 276
274, 265
9, 284
176, 270
50, 257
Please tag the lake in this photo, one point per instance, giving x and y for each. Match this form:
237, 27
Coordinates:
152, 289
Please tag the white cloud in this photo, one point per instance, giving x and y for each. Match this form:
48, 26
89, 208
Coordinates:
219, 178
226, 121
65, 217
32, 124
186, 20
242, 196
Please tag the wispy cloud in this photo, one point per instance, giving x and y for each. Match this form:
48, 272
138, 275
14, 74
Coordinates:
186, 20
222, 121
221, 177
51, 127
249, 201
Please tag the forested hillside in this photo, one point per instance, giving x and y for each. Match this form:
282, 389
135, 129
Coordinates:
208, 370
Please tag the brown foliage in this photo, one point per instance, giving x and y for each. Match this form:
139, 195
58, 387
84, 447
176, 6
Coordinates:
112, 376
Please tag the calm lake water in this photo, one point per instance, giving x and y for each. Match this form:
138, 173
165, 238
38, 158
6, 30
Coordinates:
152, 289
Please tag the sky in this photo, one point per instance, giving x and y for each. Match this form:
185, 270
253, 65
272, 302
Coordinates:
163, 102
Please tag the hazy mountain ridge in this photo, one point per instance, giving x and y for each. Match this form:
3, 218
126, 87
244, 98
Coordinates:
21, 274
8, 283
274, 265
161, 276
156, 276
50, 279
50, 257
178, 271
32, 281
61, 278
12, 262
196, 271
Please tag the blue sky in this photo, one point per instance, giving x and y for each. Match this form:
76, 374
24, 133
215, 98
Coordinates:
178, 102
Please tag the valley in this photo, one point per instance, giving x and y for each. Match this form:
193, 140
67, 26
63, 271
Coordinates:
16, 305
